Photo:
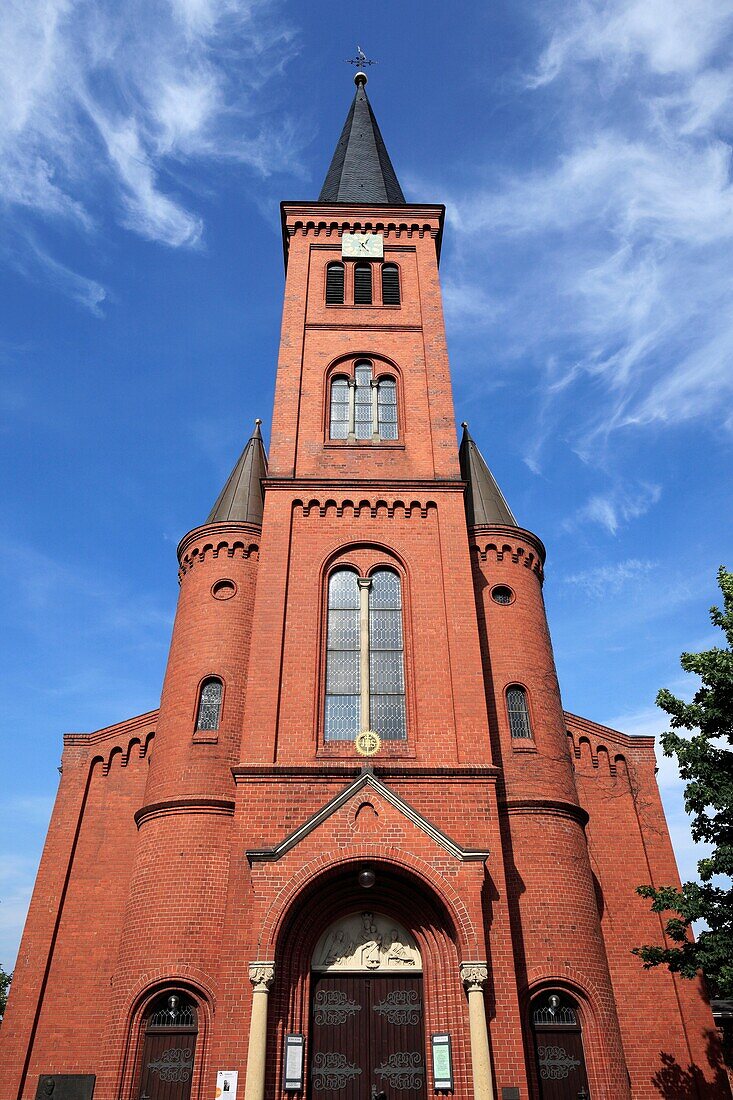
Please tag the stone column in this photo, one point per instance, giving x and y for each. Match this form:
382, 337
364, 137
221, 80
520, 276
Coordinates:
261, 974
474, 976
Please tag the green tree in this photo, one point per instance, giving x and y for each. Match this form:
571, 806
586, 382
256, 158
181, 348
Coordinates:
5, 980
705, 759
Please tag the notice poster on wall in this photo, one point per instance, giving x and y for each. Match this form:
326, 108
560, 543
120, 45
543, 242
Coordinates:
226, 1084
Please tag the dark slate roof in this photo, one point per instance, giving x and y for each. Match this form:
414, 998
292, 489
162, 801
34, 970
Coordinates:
242, 498
361, 170
484, 499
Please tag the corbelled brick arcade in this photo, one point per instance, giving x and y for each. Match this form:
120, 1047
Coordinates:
360, 852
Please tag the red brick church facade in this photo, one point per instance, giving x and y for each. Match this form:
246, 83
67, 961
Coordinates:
360, 821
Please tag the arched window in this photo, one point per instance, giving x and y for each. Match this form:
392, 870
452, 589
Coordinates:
335, 284
365, 678
390, 285
343, 680
363, 408
363, 418
518, 712
386, 664
340, 409
210, 699
387, 408
362, 284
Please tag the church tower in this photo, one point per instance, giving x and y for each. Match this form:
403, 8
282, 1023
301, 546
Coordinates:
360, 852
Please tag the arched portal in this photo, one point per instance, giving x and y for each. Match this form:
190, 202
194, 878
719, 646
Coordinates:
558, 1046
366, 975
366, 1018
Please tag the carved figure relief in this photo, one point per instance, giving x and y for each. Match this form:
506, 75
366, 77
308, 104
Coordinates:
367, 941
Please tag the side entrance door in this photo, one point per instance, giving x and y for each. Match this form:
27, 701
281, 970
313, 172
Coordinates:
367, 1038
168, 1051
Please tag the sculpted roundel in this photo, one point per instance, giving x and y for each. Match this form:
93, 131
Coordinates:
367, 941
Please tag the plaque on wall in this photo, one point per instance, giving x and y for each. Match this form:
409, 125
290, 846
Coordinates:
442, 1062
226, 1084
293, 1067
66, 1086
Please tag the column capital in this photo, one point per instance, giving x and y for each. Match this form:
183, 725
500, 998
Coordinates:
262, 975
474, 975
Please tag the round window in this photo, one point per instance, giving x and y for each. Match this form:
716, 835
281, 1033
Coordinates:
223, 590
502, 594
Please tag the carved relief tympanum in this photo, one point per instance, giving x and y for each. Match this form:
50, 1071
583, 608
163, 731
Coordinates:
367, 941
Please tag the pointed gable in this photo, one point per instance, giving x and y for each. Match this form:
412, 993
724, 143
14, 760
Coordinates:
361, 170
485, 502
242, 498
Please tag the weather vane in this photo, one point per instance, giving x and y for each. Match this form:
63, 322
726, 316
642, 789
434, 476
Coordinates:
361, 59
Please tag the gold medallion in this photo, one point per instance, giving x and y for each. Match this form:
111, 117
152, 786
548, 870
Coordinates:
367, 743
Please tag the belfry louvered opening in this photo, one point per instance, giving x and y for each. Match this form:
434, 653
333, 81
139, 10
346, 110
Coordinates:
335, 284
390, 285
362, 284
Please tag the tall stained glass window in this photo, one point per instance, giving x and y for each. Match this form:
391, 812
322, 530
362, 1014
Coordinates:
343, 679
365, 677
361, 407
209, 710
518, 711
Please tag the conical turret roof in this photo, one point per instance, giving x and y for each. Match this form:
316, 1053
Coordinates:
242, 498
361, 170
484, 499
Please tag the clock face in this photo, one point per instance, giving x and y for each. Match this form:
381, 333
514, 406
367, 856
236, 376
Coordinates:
369, 246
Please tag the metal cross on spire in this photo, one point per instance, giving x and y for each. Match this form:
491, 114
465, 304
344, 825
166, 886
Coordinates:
361, 59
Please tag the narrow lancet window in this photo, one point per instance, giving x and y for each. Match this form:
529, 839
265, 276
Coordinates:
335, 284
362, 284
343, 651
210, 698
387, 408
386, 665
340, 409
390, 285
363, 414
518, 711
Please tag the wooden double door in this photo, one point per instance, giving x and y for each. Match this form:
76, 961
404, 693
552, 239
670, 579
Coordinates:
367, 1038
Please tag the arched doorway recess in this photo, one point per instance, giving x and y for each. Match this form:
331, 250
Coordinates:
366, 1019
169, 1048
558, 1047
398, 928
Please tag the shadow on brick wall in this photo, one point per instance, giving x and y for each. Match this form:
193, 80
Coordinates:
676, 1083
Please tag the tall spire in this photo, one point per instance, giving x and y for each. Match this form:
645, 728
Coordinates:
484, 499
242, 498
361, 170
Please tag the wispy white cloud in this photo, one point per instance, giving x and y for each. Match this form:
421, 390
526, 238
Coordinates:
605, 580
613, 509
103, 106
614, 248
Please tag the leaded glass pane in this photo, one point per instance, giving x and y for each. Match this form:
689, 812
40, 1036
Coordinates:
387, 431
343, 591
339, 427
385, 629
385, 589
387, 409
342, 717
516, 702
388, 717
209, 705
363, 373
343, 629
386, 671
342, 673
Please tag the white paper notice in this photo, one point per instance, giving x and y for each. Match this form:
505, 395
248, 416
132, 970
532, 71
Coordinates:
226, 1084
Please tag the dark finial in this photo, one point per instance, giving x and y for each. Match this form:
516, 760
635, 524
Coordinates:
464, 423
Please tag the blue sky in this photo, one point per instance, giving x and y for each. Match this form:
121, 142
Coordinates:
583, 151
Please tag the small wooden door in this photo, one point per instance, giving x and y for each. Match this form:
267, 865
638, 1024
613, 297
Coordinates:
367, 1038
559, 1054
168, 1051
